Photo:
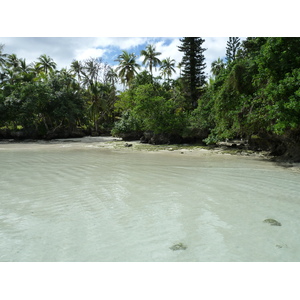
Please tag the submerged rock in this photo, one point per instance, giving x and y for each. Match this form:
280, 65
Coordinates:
272, 222
179, 246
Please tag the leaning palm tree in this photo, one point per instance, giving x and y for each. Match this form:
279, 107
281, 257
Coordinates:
150, 57
167, 67
127, 67
217, 66
46, 63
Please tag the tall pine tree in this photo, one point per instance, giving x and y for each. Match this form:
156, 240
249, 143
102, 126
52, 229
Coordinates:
233, 45
193, 66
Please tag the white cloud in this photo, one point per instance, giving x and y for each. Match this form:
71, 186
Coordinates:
123, 43
168, 47
83, 54
216, 47
65, 50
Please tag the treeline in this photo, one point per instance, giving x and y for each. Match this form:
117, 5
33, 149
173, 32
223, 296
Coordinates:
38, 101
252, 94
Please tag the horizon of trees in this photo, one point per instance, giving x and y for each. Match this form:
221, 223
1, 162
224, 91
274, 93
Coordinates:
254, 90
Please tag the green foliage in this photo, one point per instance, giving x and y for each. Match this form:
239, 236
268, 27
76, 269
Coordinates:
282, 103
44, 104
257, 92
277, 57
202, 118
153, 108
128, 123
230, 96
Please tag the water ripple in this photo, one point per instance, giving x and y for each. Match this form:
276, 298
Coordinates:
66, 204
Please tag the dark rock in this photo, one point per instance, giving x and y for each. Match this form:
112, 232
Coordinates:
128, 145
161, 138
272, 222
179, 246
130, 136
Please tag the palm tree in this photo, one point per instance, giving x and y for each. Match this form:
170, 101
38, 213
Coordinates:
150, 59
92, 70
217, 66
9, 76
23, 67
2, 56
76, 69
46, 63
167, 67
179, 66
111, 76
13, 62
35, 68
127, 67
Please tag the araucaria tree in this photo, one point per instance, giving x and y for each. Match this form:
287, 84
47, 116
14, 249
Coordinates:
233, 45
193, 66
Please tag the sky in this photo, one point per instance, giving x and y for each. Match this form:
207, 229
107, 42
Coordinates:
63, 50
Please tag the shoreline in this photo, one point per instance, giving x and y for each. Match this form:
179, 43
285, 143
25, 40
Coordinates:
118, 144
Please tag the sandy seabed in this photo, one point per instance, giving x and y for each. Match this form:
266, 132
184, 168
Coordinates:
103, 199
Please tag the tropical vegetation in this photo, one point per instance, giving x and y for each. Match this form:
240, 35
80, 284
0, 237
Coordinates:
253, 94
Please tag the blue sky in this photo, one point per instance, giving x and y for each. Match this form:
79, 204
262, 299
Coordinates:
64, 50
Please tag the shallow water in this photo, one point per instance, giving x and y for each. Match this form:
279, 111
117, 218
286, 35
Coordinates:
77, 202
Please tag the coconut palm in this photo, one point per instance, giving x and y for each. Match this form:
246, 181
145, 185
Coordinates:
23, 66
150, 57
46, 63
76, 69
127, 67
13, 62
217, 66
35, 68
91, 69
167, 67
111, 76
179, 66
9, 76
2, 56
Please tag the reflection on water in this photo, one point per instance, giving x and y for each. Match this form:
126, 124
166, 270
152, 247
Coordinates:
68, 203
